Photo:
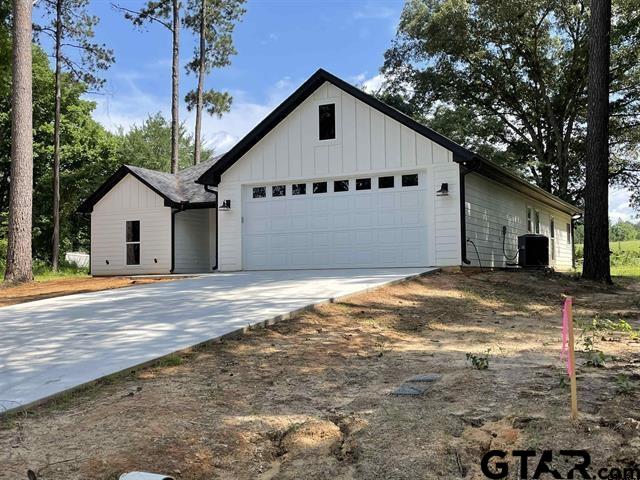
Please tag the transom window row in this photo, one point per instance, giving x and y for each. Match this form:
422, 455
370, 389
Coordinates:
409, 180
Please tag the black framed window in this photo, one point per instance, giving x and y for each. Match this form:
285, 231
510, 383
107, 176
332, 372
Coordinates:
132, 242
386, 182
363, 184
278, 191
259, 192
341, 186
410, 180
299, 189
327, 121
568, 233
320, 187
133, 231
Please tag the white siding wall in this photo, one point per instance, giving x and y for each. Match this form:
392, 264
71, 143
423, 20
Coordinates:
489, 206
130, 200
192, 242
366, 142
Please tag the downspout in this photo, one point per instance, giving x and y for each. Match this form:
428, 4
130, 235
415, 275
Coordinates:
206, 187
573, 240
465, 168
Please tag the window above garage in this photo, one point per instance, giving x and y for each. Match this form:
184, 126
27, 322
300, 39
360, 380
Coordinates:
327, 121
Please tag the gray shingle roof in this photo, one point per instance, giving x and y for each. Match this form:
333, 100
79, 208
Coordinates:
180, 188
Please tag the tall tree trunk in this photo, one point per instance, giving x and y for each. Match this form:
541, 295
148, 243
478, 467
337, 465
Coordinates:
175, 74
55, 241
596, 217
201, 74
21, 188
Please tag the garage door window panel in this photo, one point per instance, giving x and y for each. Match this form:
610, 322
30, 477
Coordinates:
320, 187
410, 180
386, 182
299, 189
341, 186
278, 190
363, 184
259, 192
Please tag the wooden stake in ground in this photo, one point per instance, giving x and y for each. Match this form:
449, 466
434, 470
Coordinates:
568, 347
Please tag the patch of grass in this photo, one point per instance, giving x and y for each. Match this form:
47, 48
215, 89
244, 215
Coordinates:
624, 385
172, 360
42, 272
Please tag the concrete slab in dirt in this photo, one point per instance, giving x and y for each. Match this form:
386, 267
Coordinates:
49, 346
427, 377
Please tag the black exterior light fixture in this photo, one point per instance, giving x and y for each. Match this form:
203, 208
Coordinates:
225, 206
444, 190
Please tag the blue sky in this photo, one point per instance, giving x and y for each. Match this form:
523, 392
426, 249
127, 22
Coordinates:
280, 43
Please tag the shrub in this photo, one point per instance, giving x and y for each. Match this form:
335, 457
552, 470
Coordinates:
479, 362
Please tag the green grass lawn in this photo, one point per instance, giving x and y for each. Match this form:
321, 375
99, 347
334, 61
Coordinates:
626, 246
43, 273
625, 259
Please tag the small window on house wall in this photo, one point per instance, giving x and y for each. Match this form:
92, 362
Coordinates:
320, 187
568, 233
132, 242
410, 180
385, 182
299, 189
259, 192
341, 186
278, 191
327, 121
536, 218
529, 220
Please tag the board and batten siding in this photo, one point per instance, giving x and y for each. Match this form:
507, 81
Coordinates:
130, 199
489, 206
367, 142
192, 241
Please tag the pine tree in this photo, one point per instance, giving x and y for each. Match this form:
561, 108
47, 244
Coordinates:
213, 21
71, 29
19, 264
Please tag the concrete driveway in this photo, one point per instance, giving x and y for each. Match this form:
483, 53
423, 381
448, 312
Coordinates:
49, 346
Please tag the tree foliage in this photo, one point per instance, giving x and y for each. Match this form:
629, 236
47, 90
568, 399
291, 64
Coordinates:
80, 55
220, 18
508, 79
149, 145
622, 231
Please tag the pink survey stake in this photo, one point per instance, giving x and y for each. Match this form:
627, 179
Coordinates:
565, 334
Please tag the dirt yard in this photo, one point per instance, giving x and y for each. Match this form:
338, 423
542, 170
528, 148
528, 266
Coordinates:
28, 292
310, 397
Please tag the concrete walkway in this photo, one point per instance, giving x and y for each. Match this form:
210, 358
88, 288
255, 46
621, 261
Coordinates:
49, 346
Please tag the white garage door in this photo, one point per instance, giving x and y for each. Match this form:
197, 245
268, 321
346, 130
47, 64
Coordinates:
336, 223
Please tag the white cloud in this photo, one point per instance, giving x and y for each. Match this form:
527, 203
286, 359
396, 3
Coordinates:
359, 78
619, 208
132, 107
374, 83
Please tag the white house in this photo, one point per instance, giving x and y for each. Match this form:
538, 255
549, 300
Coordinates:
332, 178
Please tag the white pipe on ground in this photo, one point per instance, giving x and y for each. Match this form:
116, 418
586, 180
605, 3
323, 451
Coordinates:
144, 476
